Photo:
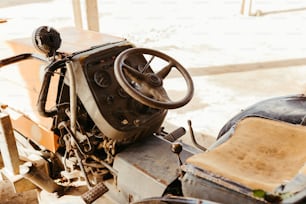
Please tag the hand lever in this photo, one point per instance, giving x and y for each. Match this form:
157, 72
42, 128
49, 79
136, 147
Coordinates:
177, 149
173, 136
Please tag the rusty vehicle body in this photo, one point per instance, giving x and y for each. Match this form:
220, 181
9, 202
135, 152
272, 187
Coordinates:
96, 121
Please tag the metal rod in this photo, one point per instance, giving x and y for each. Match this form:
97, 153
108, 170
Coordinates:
21, 57
43, 94
193, 138
73, 108
73, 98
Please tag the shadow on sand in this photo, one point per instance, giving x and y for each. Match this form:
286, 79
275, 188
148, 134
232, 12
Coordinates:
9, 3
264, 13
223, 69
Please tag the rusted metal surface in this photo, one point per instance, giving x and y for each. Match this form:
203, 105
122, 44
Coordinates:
149, 162
208, 185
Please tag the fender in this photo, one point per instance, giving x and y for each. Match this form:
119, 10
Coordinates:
291, 109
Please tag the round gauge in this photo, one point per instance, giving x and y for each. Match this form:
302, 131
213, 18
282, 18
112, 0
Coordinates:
122, 93
102, 79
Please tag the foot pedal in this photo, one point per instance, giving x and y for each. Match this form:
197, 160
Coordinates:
93, 194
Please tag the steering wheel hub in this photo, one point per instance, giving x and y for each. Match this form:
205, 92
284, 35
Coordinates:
154, 80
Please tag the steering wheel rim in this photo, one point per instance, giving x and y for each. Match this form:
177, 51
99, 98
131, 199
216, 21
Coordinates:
152, 84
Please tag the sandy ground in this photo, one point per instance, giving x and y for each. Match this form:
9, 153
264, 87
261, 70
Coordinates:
234, 60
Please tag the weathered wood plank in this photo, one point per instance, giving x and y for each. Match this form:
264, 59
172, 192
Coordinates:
8, 146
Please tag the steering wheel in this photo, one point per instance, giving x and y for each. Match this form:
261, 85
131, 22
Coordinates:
145, 86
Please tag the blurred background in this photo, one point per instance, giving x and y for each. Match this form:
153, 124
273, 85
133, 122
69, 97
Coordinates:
235, 59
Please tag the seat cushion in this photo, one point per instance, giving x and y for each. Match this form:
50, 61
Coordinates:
261, 154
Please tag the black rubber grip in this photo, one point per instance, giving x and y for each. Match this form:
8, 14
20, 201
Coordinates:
175, 134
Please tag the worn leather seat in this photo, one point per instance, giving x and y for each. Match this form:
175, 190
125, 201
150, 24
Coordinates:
260, 154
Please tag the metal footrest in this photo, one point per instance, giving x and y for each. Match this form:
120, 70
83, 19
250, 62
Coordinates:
93, 194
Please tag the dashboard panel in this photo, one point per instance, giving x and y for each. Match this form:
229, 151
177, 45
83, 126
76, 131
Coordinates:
117, 107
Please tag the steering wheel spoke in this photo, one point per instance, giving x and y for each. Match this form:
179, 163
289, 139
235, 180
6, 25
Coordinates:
161, 95
156, 93
148, 64
163, 73
132, 71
